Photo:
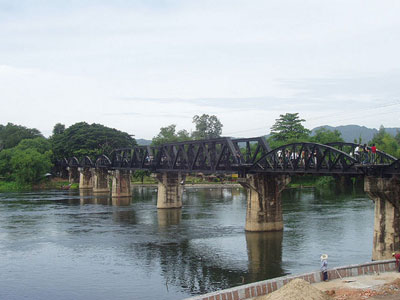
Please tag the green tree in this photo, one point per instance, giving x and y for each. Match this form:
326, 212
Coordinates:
288, 128
83, 139
324, 136
29, 166
58, 128
169, 135
386, 142
207, 127
11, 135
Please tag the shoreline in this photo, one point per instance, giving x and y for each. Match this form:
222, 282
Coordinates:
266, 287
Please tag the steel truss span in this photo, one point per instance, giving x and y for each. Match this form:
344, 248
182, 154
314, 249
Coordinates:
243, 156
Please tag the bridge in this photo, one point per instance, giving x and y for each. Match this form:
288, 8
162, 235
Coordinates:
263, 172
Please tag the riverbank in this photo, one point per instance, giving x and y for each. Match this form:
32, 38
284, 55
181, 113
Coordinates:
353, 275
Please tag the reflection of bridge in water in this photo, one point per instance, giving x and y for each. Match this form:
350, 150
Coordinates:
263, 172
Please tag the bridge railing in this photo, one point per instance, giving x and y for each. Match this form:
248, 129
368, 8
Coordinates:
379, 158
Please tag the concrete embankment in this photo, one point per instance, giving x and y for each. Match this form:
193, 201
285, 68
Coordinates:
265, 287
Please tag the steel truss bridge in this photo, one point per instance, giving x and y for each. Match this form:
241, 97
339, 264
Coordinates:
243, 156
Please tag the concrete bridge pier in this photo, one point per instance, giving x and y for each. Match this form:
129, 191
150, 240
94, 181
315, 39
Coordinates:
385, 192
73, 174
264, 206
170, 189
85, 178
121, 183
100, 181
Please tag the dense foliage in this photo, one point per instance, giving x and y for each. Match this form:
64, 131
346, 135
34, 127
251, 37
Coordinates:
83, 139
386, 142
207, 127
26, 163
26, 156
11, 135
288, 128
168, 135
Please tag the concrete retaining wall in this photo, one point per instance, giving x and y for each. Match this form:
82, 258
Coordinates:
268, 286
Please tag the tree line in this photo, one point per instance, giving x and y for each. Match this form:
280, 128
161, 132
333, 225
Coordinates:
26, 155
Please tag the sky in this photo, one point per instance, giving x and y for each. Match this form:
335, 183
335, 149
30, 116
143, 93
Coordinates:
138, 66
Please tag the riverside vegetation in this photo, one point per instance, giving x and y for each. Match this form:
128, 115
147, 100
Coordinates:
27, 158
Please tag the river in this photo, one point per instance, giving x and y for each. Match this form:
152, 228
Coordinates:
67, 245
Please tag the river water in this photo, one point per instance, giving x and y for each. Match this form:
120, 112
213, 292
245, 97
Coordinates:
66, 245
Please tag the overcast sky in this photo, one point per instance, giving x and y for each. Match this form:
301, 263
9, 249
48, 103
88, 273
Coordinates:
141, 65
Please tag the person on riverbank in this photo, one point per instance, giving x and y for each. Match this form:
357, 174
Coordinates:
324, 266
397, 257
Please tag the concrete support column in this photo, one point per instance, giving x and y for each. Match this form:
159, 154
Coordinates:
170, 190
73, 174
385, 192
264, 206
86, 178
100, 181
121, 183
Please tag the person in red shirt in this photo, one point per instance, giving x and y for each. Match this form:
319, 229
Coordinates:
373, 150
397, 257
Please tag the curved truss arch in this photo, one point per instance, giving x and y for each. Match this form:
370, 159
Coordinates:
103, 162
86, 162
301, 158
73, 162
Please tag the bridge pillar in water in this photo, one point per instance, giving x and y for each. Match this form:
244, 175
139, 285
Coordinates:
73, 174
170, 189
100, 181
385, 192
85, 178
264, 205
121, 183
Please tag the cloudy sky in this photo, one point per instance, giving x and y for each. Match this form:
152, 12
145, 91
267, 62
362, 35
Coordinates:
141, 65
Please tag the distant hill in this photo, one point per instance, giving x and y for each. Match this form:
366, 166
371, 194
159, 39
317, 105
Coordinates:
143, 142
351, 132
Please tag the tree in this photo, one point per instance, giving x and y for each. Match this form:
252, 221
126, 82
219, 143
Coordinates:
169, 135
29, 166
83, 139
11, 135
324, 136
58, 128
27, 162
288, 128
207, 127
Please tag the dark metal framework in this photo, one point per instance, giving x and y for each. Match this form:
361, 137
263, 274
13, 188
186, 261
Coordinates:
223, 155
247, 155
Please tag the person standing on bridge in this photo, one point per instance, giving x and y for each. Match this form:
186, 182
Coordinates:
365, 154
324, 266
373, 154
357, 152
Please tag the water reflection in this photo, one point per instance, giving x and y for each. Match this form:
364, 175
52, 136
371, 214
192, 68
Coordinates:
265, 255
168, 217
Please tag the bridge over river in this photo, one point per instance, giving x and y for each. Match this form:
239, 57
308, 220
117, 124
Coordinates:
263, 172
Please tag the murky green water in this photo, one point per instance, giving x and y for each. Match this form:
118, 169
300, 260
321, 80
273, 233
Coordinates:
63, 245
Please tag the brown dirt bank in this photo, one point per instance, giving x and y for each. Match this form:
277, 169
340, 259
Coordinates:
384, 286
